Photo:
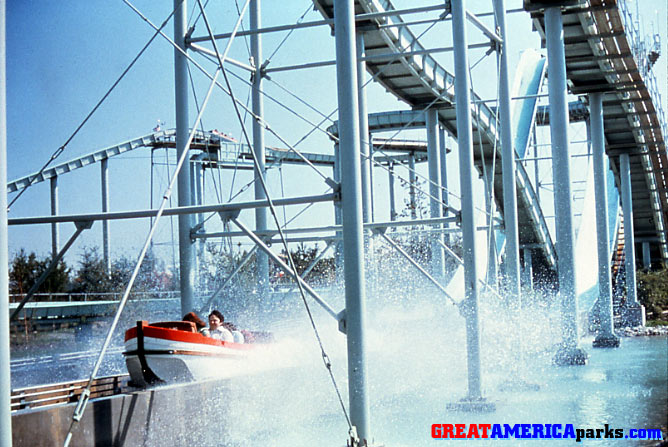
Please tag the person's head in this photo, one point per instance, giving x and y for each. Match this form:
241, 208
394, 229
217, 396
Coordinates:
192, 316
216, 319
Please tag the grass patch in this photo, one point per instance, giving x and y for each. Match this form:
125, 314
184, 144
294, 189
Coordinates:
653, 323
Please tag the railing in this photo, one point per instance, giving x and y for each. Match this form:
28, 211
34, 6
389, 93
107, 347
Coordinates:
63, 393
641, 56
95, 296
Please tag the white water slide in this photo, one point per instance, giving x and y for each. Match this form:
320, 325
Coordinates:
529, 77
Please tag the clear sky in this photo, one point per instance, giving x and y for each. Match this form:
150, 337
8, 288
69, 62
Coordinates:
61, 59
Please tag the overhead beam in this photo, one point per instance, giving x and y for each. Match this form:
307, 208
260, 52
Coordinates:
182, 210
357, 18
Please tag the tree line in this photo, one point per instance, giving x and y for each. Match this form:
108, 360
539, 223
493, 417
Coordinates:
88, 277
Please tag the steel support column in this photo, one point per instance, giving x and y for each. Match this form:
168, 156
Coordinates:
351, 189
433, 158
262, 261
338, 248
5, 371
646, 256
104, 179
186, 249
55, 237
195, 166
393, 207
411, 186
606, 337
634, 313
193, 190
570, 352
536, 166
512, 262
366, 160
371, 196
492, 266
199, 188
444, 179
365, 140
469, 308
527, 269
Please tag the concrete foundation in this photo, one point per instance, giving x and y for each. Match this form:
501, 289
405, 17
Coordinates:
172, 415
633, 315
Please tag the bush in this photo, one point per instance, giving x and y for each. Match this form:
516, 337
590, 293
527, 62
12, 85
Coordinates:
653, 292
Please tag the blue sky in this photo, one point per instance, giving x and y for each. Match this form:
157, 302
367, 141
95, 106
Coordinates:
61, 60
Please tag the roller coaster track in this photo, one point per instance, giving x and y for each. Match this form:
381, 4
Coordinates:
417, 79
604, 53
601, 56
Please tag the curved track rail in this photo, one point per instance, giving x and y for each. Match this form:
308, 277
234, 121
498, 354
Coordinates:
417, 79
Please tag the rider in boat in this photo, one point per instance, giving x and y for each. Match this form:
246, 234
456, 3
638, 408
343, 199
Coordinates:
199, 323
236, 333
216, 328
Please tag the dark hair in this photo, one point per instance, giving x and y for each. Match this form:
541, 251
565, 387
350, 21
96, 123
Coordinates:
192, 316
218, 314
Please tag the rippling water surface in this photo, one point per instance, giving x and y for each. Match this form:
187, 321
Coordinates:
416, 366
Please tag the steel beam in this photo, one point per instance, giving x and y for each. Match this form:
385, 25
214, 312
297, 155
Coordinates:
171, 211
338, 228
379, 58
186, 249
358, 18
262, 261
229, 60
606, 337
569, 352
351, 188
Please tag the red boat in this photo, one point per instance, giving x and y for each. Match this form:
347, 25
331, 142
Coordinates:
174, 351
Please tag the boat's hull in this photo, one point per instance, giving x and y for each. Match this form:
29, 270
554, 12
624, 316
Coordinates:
165, 355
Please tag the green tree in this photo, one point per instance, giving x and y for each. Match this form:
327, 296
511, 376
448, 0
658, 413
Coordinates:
25, 269
91, 277
303, 256
219, 265
152, 275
